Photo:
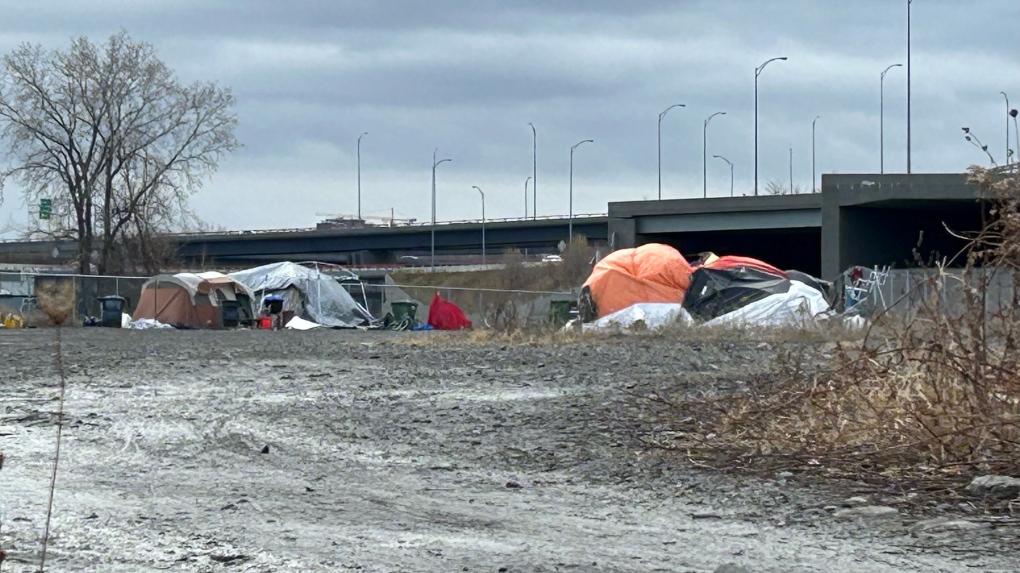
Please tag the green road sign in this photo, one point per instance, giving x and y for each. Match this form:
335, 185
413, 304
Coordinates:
45, 208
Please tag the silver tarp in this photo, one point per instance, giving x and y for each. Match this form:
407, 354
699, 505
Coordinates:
308, 292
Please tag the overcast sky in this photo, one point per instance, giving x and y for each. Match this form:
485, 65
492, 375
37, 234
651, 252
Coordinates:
467, 76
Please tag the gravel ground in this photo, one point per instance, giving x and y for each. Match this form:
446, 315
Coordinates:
385, 452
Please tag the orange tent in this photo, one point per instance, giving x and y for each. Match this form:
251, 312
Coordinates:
649, 273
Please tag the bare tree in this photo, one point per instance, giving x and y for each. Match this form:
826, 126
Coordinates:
113, 138
776, 188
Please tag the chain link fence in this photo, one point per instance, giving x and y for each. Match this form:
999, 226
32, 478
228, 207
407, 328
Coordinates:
18, 294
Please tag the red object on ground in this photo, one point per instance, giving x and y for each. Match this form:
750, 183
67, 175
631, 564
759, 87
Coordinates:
265, 322
732, 262
444, 315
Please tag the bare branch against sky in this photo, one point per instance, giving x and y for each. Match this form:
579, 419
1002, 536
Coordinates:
468, 77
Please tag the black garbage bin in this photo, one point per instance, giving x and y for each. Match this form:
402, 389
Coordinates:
112, 308
231, 313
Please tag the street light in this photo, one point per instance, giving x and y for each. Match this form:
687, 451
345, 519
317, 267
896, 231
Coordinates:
731, 171
704, 152
662, 115
359, 169
526, 197
570, 216
1007, 126
881, 114
534, 173
434, 165
813, 187
483, 221
757, 72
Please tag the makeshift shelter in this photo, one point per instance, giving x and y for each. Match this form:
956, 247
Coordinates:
308, 293
189, 300
444, 315
653, 273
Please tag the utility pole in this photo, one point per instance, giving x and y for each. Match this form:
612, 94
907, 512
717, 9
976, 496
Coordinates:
757, 72
433, 233
908, 87
704, 153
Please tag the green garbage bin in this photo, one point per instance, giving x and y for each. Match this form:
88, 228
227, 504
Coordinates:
559, 312
402, 310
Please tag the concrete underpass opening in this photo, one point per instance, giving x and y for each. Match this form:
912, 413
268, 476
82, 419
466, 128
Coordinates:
907, 235
787, 249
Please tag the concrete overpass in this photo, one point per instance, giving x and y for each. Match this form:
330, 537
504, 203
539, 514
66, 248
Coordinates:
350, 246
865, 219
855, 220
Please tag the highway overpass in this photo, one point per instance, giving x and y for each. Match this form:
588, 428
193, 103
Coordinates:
865, 219
367, 245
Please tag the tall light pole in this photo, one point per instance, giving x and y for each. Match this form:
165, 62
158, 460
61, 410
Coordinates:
434, 165
526, 197
881, 114
757, 72
662, 115
483, 221
731, 171
908, 87
359, 168
570, 216
791, 170
813, 187
704, 152
534, 173
1007, 126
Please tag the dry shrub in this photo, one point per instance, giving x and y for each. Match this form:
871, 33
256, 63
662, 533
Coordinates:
56, 298
931, 390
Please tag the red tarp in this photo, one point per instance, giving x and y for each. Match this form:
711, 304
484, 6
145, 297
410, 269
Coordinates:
445, 315
731, 262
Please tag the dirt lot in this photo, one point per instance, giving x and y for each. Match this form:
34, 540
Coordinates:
387, 453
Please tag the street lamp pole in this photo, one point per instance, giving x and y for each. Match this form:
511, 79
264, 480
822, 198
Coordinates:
570, 216
704, 152
359, 169
526, 197
662, 115
731, 171
1007, 126
483, 221
534, 173
757, 72
813, 186
791, 170
881, 115
433, 233
908, 86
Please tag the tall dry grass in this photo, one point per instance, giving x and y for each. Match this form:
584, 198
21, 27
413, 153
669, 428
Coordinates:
927, 393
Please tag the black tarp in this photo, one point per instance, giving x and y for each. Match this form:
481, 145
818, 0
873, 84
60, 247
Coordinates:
716, 292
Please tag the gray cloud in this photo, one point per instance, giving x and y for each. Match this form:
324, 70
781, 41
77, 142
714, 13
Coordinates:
467, 77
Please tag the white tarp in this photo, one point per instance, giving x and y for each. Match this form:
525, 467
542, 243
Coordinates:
298, 323
325, 301
146, 324
648, 315
801, 306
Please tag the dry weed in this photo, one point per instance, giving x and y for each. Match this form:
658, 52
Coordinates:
56, 298
928, 393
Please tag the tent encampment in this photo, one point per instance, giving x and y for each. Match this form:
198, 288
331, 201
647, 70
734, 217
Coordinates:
308, 293
652, 273
189, 300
